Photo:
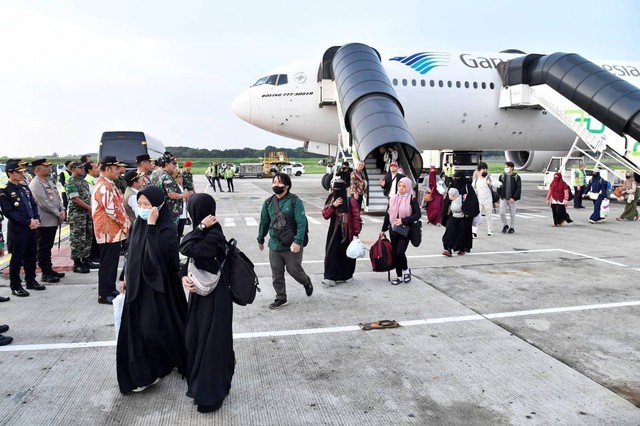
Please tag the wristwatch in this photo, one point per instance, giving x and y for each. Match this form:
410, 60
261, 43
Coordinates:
202, 226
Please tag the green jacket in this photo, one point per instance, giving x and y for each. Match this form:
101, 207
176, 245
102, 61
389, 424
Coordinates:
269, 211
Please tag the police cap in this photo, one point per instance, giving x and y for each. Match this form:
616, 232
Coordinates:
41, 162
15, 166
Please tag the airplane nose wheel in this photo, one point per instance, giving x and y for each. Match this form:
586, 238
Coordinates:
326, 181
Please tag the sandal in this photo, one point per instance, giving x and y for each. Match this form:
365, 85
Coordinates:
396, 281
446, 253
379, 324
407, 277
461, 253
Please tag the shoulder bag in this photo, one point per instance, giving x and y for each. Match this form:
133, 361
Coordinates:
204, 281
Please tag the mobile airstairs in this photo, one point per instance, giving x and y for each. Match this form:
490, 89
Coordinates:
600, 108
353, 79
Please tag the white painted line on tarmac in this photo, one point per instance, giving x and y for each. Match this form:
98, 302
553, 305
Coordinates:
594, 258
313, 220
373, 219
251, 221
229, 221
324, 330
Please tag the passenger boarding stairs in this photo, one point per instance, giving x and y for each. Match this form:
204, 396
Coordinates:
352, 78
600, 108
598, 141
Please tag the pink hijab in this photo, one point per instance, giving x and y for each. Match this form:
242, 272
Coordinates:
400, 206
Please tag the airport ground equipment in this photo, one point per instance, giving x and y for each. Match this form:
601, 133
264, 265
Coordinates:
352, 78
600, 108
251, 170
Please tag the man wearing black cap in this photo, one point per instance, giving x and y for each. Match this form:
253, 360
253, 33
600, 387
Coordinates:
510, 192
110, 225
51, 213
21, 209
144, 166
134, 181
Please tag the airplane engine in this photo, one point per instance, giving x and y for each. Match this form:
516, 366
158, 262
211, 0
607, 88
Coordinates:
532, 161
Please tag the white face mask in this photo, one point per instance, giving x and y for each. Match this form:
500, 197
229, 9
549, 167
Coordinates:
507, 169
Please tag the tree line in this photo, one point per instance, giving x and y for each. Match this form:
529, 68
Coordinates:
189, 152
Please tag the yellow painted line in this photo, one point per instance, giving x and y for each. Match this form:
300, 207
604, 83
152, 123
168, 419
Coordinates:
4, 261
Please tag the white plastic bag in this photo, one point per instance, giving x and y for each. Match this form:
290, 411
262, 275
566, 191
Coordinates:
441, 187
118, 306
356, 249
604, 208
477, 221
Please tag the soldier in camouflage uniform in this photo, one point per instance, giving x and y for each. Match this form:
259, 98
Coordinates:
80, 222
173, 195
187, 177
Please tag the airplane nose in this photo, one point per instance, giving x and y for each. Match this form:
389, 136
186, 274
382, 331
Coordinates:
241, 106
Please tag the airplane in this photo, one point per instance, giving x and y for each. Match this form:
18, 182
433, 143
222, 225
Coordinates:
449, 101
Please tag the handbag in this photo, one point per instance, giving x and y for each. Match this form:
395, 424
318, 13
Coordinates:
356, 249
619, 192
402, 230
204, 281
593, 195
416, 233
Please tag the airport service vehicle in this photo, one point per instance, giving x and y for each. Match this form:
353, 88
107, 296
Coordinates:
251, 170
126, 146
296, 169
351, 100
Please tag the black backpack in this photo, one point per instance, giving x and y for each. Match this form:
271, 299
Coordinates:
239, 275
284, 226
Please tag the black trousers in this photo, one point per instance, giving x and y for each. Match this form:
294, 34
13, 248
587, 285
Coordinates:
213, 185
399, 247
45, 238
108, 272
229, 185
95, 248
23, 254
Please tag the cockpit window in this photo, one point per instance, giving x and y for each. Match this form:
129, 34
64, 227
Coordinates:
275, 80
261, 81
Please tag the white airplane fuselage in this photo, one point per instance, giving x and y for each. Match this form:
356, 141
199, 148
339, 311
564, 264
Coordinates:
453, 105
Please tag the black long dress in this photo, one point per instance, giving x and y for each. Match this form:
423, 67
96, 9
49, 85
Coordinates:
151, 336
460, 233
209, 334
337, 265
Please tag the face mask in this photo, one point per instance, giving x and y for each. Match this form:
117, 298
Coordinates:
278, 189
144, 213
507, 169
484, 174
628, 175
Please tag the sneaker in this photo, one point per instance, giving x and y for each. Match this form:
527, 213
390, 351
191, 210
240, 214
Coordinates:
328, 282
505, 229
489, 234
511, 231
308, 288
592, 221
141, 388
278, 303
475, 235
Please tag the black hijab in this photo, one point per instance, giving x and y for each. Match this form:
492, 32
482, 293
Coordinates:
204, 246
339, 191
152, 256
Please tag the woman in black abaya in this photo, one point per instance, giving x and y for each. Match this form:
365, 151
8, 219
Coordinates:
209, 336
151, 336
345, 223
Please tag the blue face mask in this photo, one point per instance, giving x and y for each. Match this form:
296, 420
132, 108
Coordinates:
144, 213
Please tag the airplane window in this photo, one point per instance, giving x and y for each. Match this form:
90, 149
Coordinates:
449, 84
413, 82
492, 86
261, 81
484, 85
404, 81
475, 85
395, 81
272, 79
282, 79
466, 84
423, 83
432, 83
458, 84
440, 83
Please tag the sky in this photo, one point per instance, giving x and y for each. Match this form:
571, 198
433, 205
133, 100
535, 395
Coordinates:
70, 70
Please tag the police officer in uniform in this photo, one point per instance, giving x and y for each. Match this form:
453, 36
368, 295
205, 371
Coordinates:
19, 206
51, 213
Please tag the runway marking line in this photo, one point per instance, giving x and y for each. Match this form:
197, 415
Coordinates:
407, 323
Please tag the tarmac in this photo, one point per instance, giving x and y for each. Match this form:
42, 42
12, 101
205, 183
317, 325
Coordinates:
538, 327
